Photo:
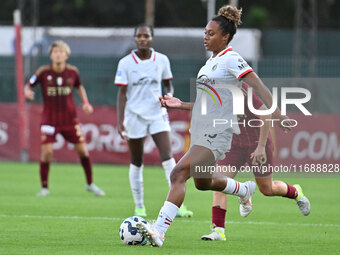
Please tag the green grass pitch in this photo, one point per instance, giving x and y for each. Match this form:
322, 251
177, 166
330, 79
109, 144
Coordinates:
73, 221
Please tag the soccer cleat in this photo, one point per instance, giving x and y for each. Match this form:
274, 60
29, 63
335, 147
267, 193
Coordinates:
140, 212
155, 239
245, 202
302, 201
215, 235
184, 212
95, 190
44, 192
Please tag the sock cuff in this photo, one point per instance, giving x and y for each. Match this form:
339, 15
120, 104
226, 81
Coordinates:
215, 208
171, 209
170, 163
136, 168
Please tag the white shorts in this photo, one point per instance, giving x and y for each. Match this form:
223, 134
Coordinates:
219, 144
137, 127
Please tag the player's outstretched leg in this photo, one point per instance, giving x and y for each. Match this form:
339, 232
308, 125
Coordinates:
246, 205
302, 201
168, 166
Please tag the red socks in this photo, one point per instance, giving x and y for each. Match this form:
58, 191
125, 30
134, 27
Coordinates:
86, 163
44, 169
218, 216
292, 192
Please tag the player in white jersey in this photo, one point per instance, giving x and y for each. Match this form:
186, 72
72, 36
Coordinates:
140, 76
208, 144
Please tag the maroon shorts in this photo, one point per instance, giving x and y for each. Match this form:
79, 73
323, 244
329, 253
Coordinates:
71, 133
239, 157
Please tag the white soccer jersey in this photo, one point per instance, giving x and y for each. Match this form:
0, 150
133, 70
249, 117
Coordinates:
227, 68
143, 79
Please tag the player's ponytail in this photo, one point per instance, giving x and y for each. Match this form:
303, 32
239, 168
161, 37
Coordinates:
229, 18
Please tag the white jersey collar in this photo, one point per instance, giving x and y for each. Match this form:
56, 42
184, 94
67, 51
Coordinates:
222, 52
138, 60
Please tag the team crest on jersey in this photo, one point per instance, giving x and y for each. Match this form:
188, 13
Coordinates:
69, 81
49, 77
214, 67
59, 81
240, 60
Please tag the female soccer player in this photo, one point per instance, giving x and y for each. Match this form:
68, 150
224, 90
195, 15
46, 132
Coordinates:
140, 76
59, 114
209, 142
252, 147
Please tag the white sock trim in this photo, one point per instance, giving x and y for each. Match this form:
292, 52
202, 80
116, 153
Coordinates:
136, 184
168, 166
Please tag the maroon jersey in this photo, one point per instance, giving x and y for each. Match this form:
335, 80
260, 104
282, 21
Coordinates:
249, 136
59, 108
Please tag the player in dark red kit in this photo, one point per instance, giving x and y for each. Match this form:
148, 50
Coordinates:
59, 113
253, 146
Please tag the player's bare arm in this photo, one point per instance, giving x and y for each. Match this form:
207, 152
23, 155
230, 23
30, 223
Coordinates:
255, 82
175, 103
87, 107
169, 88
29, 93
121, 101
260, 152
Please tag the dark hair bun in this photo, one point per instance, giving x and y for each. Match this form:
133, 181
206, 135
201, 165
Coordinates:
231, 13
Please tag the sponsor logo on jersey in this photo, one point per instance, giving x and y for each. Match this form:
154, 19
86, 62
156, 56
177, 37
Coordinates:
243, 65
145, 81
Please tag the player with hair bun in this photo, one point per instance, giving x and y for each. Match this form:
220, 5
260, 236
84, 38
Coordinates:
208, 143
140, 76
59, 113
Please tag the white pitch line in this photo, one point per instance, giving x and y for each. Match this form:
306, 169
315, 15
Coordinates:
182, 220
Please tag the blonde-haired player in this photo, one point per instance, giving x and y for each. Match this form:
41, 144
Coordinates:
59, 113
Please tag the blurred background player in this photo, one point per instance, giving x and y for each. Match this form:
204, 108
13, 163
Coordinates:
59, 112
140, 76
251, 146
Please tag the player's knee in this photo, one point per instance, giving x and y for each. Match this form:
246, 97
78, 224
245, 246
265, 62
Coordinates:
202, 185
178, 174
83, 153
46, 156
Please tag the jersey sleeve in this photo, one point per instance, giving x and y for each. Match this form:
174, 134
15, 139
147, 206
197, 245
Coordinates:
166, 74
237, 66
121, 78
35, 78
77, 81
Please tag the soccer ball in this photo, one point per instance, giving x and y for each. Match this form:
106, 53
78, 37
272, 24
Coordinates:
128, 232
